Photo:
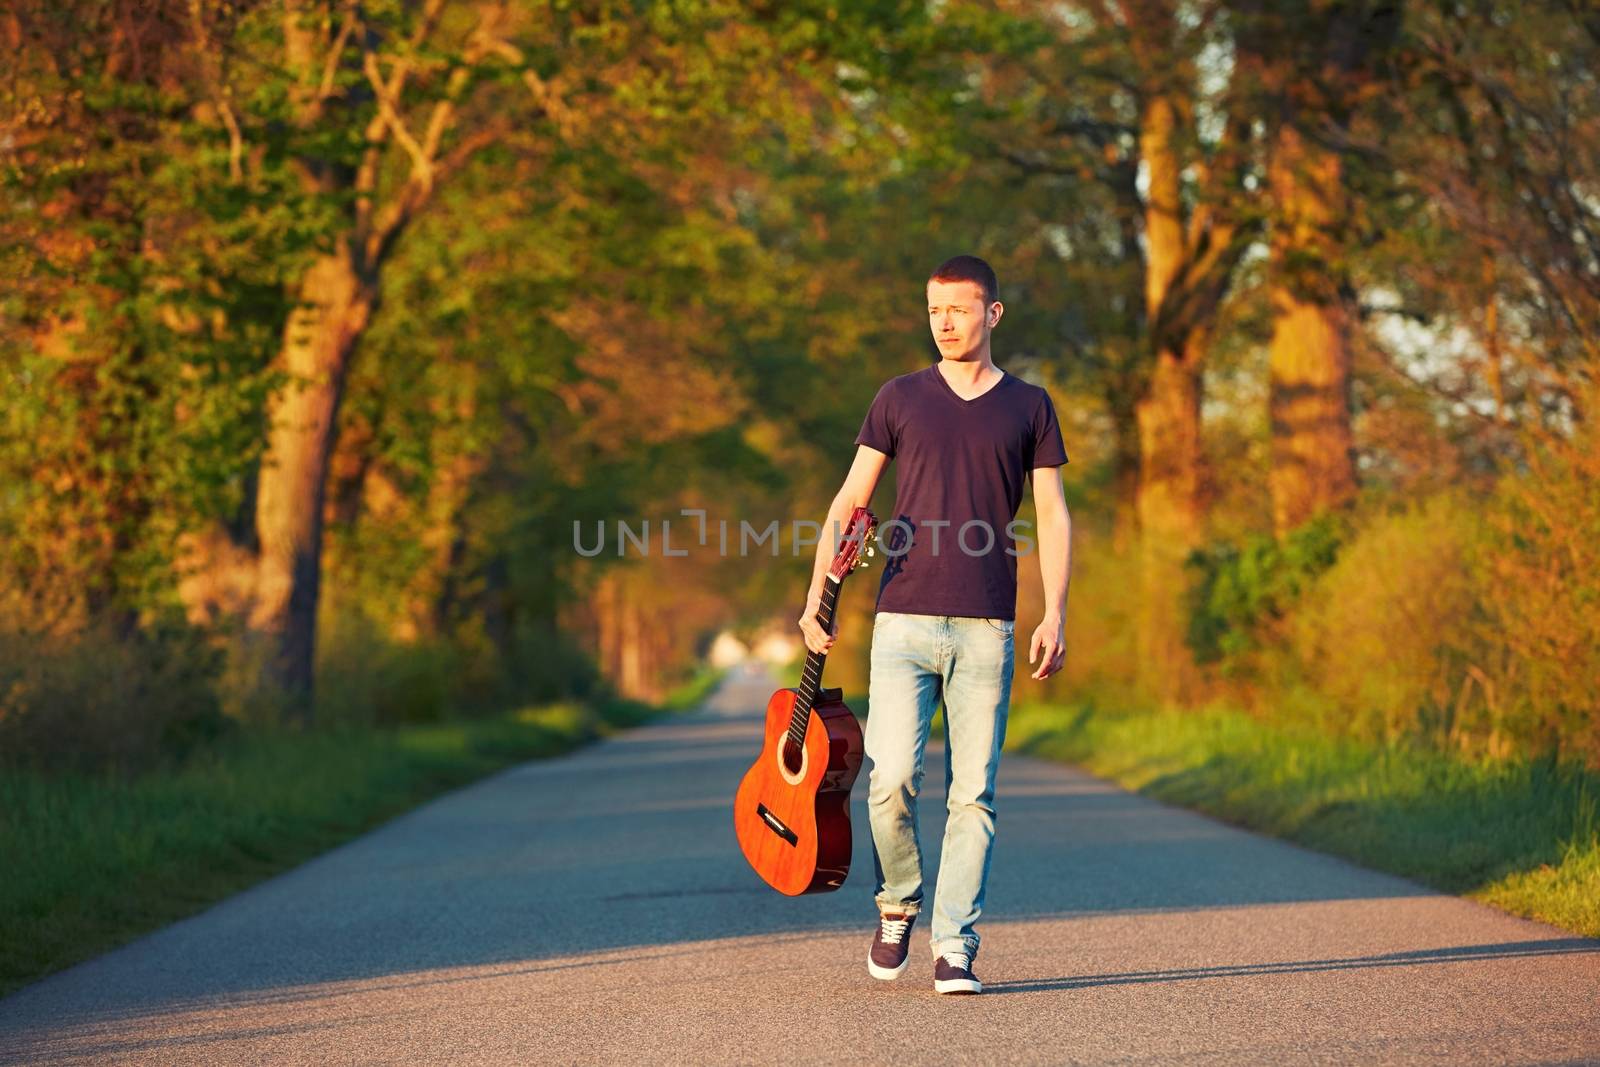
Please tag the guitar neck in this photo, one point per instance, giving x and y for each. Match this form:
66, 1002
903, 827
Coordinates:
811, 678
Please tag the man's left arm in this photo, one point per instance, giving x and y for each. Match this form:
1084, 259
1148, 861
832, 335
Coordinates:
1055, 567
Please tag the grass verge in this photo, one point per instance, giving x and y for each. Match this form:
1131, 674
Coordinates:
1523, 837
95, 861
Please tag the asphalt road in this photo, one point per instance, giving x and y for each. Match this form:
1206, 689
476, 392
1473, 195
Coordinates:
595, 909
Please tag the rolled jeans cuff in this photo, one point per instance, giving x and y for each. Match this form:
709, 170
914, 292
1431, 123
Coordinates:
889, 907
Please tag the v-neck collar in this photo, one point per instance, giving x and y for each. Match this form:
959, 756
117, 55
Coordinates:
964, 401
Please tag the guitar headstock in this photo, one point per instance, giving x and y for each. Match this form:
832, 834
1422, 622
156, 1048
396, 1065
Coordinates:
863, 524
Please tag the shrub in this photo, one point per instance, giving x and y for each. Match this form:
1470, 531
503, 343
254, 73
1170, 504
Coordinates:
365, 677
1542, 565
1389, 634
106, 700
1241, 592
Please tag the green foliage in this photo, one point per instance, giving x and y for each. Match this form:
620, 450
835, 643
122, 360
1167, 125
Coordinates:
366, 677
1240, 592
149, 296
105, 700
1541, 595
1387, 636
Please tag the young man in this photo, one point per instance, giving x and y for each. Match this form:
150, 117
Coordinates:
966, 435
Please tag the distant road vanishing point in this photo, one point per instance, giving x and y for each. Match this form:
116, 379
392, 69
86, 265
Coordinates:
596, 909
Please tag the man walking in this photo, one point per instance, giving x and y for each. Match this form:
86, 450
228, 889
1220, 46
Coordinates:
966, 436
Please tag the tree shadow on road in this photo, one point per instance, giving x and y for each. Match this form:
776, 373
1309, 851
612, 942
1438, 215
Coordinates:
1459, 954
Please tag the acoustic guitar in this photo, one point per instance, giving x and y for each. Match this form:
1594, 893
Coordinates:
792, 811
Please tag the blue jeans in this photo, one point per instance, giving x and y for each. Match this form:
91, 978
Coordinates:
915, 659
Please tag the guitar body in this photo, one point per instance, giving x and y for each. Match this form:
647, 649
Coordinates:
793, 823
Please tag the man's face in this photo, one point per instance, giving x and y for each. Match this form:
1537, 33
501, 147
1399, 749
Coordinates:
958, 318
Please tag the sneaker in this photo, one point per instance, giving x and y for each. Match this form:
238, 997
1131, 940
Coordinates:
887, 958
952, 973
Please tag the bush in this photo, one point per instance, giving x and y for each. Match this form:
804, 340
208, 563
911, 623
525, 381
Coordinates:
1240, 593
366, 678
1389, 634
103, 700
1542, 566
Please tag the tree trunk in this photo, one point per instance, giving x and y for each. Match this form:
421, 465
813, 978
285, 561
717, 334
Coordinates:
339, 291
631, 669
1168, 414
606, 600
1313, 465
1123, 384
433, 590
1318, 66
318, 340
437, 590
1170, 510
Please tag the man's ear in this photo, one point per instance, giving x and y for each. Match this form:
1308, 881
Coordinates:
996, 309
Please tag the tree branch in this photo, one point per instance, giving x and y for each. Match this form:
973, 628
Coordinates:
366, 179
216, 86
426, 167
330, 66
388, 111
549, 102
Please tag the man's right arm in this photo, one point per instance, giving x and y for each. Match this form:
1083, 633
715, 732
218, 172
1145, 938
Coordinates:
856, 492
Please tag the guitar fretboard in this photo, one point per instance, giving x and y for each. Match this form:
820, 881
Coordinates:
811, 677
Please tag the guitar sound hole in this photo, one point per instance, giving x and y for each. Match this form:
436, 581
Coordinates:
793, 757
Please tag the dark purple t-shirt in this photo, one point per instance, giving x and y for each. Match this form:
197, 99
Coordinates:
961, 462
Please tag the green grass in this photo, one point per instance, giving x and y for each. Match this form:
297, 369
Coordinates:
93, 861
1524, 837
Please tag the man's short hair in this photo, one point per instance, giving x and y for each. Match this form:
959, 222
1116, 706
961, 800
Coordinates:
969, 269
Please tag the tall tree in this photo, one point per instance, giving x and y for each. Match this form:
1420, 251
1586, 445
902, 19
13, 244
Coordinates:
1503, 114
670, 261
1316, 66
1064, 125
1138, 102
389, 104
393, 89
1194, 239
147, 280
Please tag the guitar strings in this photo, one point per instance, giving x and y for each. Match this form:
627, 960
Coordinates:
811, 680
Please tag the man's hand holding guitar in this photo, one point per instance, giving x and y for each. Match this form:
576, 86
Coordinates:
817, 639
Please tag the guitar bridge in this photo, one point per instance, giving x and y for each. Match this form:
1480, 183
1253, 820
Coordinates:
776, 825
